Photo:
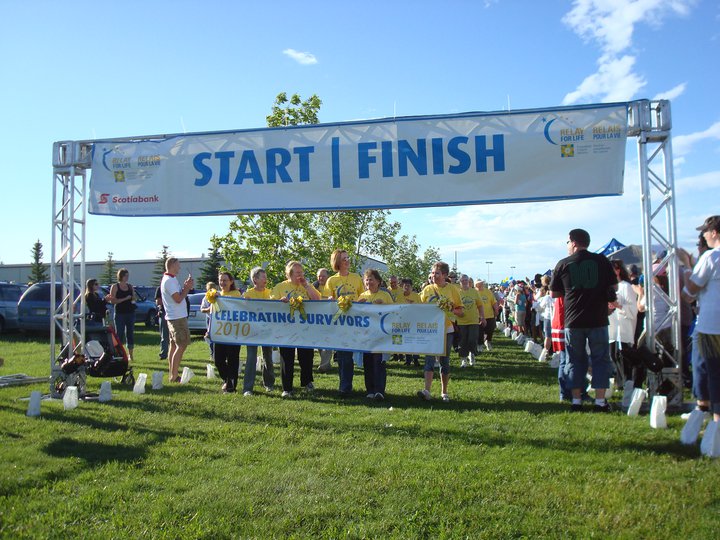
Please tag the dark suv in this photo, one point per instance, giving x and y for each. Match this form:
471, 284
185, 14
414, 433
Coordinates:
10, 293
34, 311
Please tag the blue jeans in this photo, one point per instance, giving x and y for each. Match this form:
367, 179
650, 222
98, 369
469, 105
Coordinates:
375, 372
125, 326
251, 368
444, 361
346, 370
578, 360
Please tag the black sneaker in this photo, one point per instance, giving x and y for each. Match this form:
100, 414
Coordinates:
576, 407
602, 408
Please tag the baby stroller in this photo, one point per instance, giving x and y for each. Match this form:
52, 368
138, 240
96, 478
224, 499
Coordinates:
106, 356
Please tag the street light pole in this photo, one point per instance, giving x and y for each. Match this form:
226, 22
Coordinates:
512, 272
488, 263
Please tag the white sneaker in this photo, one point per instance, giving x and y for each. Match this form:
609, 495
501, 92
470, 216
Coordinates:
379, 397
248, 393
488, 346
445, 397
685, 416
269, 389
286, 394
424, 394
463, 363
471, 359
370, 396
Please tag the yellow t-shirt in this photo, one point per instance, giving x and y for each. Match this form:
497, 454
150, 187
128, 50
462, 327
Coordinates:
488, 301
381, 295
350, 285
254, 294
286, 289
412, 298
235, 293
324, 291
431, 293
471, 304
397, 291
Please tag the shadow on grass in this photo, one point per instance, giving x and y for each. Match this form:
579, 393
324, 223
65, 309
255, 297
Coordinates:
94, 453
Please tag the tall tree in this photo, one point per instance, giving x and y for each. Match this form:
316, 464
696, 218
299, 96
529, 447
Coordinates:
404, 260
159, 269
211, 266
274, 239
38, 270
109, 273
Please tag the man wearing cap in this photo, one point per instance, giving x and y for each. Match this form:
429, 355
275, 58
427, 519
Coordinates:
587, 282
703, 285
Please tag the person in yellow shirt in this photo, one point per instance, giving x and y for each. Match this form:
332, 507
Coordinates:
440, 288
226, 355
258, 291
408, 296
490, 308
374, 367
469, 324
394, 288
344, 283
295, 285
325, 354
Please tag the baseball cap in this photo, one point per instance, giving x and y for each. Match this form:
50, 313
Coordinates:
711, 223
661, 267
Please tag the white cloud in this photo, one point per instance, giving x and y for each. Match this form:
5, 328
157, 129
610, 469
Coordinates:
672, 93
683, 144
611, 24
700, 182
304, 58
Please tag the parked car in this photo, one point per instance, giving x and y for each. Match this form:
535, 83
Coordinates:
10, 293
197, 320
33, 308
145, 312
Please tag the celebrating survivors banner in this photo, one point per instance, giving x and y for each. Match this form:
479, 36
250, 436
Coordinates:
472, 158
397, 328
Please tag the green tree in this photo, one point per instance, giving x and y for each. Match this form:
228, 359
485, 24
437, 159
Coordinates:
295, 111
211, 266
274, 239
109, 273
38, 270
404, 260
159, 269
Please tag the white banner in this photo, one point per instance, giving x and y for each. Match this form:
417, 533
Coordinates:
473, 158
397, 328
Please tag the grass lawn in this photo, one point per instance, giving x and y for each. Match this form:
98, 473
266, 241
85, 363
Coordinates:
503, 459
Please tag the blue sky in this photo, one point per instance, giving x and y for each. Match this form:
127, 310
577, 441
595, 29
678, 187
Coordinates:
84, 70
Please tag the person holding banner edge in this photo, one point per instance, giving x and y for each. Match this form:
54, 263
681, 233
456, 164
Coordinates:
446, 296
296, 286
373, 365
344, 283
259, 291
226, 355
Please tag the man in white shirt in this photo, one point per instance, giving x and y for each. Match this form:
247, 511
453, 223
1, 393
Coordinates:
703, 284
176, 314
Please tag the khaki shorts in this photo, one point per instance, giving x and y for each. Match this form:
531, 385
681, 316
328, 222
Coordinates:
179, 332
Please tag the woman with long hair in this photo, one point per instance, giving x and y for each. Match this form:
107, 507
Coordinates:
622, 319
122, 296
227, 356
95, 302
350, 284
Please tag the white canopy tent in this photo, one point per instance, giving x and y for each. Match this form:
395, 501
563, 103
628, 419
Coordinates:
472, 149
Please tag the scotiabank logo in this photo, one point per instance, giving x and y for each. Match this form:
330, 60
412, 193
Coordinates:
104, 199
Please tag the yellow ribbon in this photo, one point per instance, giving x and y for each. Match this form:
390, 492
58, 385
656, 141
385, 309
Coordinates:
344, 304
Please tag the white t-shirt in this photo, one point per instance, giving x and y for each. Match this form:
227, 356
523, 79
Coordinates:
706, 275
173, 310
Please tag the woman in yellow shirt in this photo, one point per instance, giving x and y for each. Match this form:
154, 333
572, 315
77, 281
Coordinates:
227, 356
295, 285
258, 291
344, 283
373, 366
441, 288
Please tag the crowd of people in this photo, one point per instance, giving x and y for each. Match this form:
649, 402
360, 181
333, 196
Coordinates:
589, 308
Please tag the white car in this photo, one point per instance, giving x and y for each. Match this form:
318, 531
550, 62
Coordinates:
197, 320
